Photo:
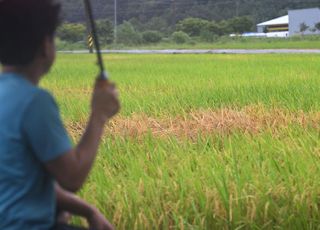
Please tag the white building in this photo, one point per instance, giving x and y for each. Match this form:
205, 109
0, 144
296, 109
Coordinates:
309, 17
280, 24
291, 24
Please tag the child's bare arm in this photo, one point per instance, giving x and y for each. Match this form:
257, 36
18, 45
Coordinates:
72, 168
69, 202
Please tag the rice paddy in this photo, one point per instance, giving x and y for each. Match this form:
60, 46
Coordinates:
202, 141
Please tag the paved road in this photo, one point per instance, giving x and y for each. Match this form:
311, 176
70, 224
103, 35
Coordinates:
203, 51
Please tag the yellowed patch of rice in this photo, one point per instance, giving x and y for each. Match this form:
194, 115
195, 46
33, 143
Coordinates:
251, 119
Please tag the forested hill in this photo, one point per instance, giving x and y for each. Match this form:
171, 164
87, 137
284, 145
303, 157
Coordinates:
174, 10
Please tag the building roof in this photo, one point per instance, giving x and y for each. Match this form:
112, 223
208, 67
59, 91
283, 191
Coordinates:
307, 9
277, 21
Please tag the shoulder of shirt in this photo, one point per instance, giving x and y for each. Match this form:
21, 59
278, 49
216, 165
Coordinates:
39, 101
40, 97
29, 91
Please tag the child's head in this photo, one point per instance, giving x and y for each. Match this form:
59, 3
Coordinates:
27, 29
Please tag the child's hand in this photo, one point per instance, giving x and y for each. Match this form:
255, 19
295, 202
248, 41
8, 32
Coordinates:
98, 222
64, 217
105, 103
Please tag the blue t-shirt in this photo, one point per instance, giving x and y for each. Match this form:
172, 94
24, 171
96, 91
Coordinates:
31, 134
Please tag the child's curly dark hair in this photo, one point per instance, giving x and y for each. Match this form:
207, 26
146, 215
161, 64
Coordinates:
24, 24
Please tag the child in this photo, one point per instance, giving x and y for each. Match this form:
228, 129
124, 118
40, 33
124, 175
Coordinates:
39, 168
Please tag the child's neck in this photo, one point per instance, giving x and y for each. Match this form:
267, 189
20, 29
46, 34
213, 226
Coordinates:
31, 74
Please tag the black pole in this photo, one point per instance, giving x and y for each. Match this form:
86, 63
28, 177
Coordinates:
89, 36
92, 26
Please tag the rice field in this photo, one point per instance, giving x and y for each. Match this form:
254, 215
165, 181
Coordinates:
202, 141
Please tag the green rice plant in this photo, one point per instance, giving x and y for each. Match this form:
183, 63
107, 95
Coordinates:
203, 141
175, 84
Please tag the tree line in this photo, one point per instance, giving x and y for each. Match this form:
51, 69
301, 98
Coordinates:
179, 21
133, 32
173, 11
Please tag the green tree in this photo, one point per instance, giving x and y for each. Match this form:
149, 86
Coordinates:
158, 24
313, 30
215, 28
174, 11
241, 24
180, 37
225, 27
207, 36
303, 28
192, 26
151, 36
317, 26
72, 32
137, 25
105, 31
128, 35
